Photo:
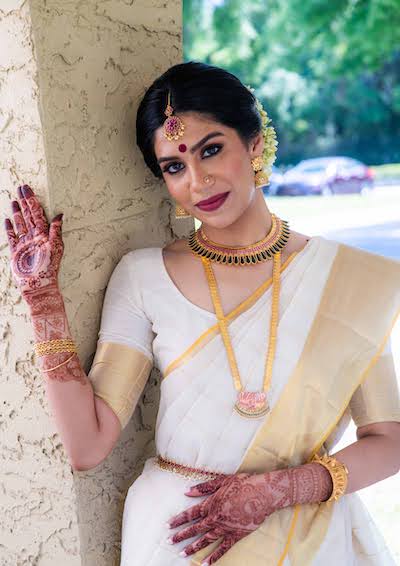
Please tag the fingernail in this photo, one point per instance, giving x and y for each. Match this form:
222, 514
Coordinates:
7, 223
27, 191
20, 195
183, 553
170, 540
59, 217
15, 206
204, 564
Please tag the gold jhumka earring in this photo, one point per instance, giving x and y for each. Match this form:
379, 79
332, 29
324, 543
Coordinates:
260, 177
180, 212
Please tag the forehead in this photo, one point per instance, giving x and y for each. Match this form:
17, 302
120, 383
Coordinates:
196, 127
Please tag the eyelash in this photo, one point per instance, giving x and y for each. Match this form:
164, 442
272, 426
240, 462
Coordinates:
215, 145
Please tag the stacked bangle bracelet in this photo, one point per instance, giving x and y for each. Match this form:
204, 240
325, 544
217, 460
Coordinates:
56, 347
339, 474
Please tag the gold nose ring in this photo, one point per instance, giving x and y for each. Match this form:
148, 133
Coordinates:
207, 179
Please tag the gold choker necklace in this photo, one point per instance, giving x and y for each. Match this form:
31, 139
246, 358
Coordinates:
261, 251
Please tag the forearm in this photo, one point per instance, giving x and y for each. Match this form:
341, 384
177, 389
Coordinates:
371, 459
68, 388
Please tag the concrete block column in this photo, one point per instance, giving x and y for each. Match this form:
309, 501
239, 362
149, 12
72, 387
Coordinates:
71, 76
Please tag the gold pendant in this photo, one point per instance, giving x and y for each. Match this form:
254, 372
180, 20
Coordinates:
252, 404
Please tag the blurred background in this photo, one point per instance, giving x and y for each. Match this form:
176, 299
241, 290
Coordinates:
328, 74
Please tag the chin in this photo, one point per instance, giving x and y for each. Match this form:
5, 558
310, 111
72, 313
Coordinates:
220, 222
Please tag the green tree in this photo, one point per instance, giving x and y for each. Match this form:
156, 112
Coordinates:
327, 73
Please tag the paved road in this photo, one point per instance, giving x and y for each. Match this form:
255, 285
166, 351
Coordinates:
382, 239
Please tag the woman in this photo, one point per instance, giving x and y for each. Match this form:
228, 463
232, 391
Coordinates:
268, 342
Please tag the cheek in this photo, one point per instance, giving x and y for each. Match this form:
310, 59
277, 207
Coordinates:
237, 168
176, 188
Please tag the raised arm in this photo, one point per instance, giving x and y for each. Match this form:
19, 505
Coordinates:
88, 427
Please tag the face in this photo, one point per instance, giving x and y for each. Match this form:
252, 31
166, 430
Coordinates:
209, 151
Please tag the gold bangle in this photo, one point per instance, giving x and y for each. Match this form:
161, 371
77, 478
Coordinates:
55, 346
59, 365
339, 474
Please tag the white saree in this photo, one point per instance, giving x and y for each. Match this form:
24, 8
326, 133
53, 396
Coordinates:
198, 427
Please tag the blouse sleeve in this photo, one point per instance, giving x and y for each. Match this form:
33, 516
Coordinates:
124, 356
377, 398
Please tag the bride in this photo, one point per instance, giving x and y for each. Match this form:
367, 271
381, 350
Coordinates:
268, 343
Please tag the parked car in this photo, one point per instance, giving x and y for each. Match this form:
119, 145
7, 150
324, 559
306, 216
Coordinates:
275, 181
327, 176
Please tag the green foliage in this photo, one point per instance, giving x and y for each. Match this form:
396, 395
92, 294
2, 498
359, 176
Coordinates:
327, 72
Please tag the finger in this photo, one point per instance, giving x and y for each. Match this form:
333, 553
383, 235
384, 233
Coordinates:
19, 222
191, 514
206, 488
225, 545
55, 228
38, 216
200, 543
26, 212
196, 529
11, 236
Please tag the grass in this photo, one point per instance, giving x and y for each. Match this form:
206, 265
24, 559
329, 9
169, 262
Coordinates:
389, 171
302, 207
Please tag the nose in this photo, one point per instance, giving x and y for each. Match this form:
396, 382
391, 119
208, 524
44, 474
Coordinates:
199, 179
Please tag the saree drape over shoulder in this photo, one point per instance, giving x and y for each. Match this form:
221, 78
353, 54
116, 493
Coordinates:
333, 362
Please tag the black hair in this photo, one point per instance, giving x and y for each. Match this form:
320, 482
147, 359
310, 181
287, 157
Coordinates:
196, 87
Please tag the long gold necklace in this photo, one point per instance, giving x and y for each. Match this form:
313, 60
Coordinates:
250, 404
261, 251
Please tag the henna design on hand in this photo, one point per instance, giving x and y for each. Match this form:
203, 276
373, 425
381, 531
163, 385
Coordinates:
50, 323
238, 504
36, 249
36, 253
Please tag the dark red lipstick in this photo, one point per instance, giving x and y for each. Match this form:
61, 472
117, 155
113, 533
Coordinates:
213, 202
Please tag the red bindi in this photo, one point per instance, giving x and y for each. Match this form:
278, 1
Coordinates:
182, 148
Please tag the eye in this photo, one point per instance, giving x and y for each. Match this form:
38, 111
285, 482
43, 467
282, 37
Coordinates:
212, 149
172, 168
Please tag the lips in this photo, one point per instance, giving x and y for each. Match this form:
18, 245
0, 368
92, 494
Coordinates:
216, 202
212, 199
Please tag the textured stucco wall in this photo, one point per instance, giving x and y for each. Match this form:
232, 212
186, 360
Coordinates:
71, 76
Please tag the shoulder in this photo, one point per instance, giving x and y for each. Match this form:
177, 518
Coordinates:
141, 255
366, 283
369, 262
140, 261
135, 269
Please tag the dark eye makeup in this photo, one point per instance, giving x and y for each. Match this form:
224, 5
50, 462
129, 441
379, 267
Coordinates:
212, 149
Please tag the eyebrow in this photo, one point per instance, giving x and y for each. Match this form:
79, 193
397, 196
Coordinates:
193, 148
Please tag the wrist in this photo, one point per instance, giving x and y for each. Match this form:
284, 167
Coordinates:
46, 300
311, 483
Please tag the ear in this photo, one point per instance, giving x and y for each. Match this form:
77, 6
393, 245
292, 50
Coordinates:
256, 145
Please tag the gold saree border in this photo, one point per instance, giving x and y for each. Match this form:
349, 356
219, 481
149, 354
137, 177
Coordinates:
206, 336
359, 327
118, 376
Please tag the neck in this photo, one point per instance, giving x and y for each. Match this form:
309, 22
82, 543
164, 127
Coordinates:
252, 226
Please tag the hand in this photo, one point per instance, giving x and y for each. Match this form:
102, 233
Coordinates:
36, 249
236, 506
239, 503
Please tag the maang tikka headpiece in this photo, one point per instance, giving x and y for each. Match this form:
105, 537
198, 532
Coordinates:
173, 125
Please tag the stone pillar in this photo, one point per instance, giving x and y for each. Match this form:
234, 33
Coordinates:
71, 76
